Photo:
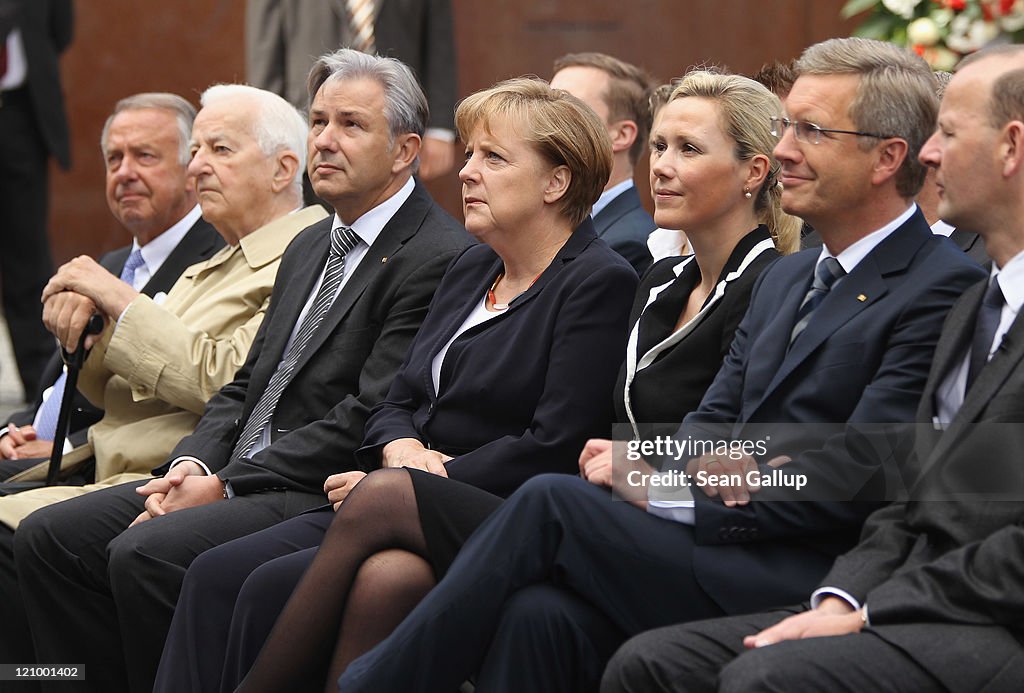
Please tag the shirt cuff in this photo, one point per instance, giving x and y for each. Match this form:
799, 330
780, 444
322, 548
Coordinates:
189, 458
680, 512
822, 592
440, 134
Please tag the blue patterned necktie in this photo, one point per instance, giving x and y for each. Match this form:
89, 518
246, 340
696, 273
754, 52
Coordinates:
49, 412
826, 274
343, 239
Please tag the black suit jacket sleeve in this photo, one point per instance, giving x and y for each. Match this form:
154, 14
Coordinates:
318, 422
325, 447
977, 583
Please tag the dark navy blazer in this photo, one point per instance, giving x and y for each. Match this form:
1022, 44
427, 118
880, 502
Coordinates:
521, 392
863, 358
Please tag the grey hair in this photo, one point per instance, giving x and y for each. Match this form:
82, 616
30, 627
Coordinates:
277, 125
184, 114
405, 106
895, 95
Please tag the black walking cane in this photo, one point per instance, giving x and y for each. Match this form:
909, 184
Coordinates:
74, 364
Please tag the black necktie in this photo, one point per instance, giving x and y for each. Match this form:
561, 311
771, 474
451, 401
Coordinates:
826, 274
985, 329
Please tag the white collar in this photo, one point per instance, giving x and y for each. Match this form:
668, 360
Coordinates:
371, 223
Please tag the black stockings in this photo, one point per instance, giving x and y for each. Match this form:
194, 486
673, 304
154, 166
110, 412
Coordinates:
368, 573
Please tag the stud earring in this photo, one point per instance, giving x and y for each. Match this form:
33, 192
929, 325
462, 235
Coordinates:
746, 193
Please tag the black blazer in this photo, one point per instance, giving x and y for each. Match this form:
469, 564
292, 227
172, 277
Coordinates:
625, 225
863, 358
951, 557
522, 392
347, 366
669, 371
972, 244
46, 30
199, 243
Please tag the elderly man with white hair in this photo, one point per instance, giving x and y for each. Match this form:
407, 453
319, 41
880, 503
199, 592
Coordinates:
156, 364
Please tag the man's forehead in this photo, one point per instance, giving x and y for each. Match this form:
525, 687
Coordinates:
350, 94
133, 129
822, 95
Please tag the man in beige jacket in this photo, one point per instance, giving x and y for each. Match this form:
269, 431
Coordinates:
155, 365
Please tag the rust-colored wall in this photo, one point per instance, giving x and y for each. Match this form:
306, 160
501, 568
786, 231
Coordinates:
122, 47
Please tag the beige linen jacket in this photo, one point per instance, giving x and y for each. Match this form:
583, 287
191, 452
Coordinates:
153, 372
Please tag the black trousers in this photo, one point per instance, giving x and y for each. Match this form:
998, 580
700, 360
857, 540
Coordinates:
15, 638
709, 656
25, 261
230, 599
118, 586
541, 596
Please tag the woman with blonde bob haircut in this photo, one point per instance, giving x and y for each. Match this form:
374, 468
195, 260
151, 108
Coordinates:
509, 375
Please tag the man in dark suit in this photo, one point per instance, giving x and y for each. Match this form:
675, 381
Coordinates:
561, 574
283, 38
360, 283
930, 599
33, 127
618, 93
154, 202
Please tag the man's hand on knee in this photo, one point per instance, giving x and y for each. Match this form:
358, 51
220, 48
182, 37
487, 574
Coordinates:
832, 617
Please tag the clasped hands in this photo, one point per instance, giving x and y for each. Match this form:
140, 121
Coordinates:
403, 452
79, 289
726, 477
186, 485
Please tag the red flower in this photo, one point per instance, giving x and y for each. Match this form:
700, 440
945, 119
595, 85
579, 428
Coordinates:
1005, 6
918, 48
956, 5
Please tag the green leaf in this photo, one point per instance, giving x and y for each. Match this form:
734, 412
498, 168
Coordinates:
879, 27
853, 7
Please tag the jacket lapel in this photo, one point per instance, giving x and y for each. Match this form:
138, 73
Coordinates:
197, 245
622, 204
402, 226
989, 381
864, 286
956, 335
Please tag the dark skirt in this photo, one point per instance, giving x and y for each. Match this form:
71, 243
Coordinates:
449, 511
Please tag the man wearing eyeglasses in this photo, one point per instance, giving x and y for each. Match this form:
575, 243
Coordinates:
561, 574
931, 599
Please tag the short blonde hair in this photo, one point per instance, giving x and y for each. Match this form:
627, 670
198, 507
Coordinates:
746, 108
563, 129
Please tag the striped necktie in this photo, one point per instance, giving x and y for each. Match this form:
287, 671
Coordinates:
343, 239
360, 17
826, 274
49, 412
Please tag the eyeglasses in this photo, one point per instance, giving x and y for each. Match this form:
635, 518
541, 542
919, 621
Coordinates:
809, 133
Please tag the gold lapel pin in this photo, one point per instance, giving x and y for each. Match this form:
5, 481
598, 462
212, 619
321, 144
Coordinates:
862, 298
384, 259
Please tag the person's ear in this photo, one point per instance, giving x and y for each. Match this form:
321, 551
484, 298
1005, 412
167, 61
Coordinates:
1011, 149
623, 134
558, 183
407, 148
891, 155
286, 167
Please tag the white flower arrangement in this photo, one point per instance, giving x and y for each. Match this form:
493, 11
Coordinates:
941, 31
